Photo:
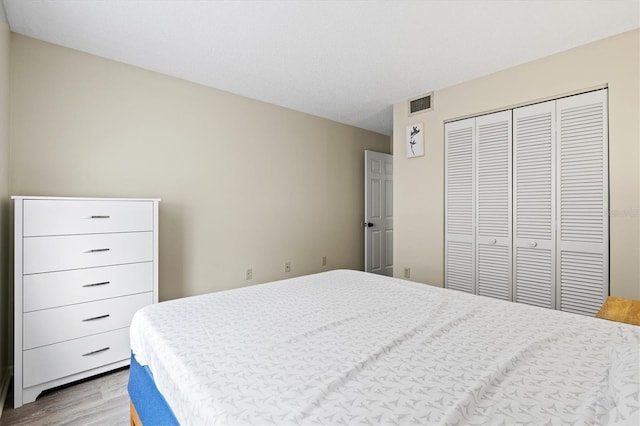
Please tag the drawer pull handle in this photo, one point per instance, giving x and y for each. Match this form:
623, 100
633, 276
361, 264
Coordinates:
96, 318
96, 352
97, 250
97, 284
100, 217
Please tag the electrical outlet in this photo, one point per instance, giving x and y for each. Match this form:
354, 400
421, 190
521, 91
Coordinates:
287, 266
324, 260
249, 274
407, 272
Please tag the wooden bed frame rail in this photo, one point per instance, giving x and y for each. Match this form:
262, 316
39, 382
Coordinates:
135, 419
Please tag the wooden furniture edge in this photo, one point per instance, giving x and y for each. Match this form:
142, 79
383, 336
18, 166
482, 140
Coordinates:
135, 419
620, 309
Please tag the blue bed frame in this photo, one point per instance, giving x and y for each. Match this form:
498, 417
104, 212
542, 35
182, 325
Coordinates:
149, 403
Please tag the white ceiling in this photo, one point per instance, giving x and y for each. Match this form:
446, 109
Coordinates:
348, 61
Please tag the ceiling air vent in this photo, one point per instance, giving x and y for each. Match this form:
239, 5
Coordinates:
421, 104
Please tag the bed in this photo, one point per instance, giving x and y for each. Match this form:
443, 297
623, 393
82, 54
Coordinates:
348, 347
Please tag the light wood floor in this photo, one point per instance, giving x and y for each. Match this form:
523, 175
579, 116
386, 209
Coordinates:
102, 400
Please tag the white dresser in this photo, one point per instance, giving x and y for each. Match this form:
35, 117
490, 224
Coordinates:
83, 267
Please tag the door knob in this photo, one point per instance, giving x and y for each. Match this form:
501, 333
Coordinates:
367, 224
493, 241
533, 243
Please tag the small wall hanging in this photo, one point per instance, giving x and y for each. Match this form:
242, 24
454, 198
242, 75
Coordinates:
415, 140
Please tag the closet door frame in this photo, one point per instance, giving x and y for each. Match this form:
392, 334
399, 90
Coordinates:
536, 253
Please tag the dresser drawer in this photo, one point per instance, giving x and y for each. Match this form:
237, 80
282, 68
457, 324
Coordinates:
64, 217
71, 322
74, 356
46, 254
52, 289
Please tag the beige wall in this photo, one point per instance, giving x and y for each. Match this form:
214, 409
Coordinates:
244, 184
4, 199
419, 182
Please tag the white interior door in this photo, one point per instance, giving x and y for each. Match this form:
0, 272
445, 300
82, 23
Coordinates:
534, 204
460, 206
493, 205
582, 262
378, 212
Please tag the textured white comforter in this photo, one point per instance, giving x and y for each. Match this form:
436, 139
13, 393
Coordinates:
346, 347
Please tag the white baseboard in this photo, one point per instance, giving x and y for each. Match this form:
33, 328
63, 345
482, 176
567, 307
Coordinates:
4, 386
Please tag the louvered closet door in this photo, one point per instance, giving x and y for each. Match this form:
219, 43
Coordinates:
582, 197
459, 205
534, 204
493, 205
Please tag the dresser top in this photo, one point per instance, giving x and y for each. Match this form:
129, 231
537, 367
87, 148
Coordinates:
26, 197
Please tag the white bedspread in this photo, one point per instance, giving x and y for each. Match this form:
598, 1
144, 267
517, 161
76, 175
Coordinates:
346, 347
